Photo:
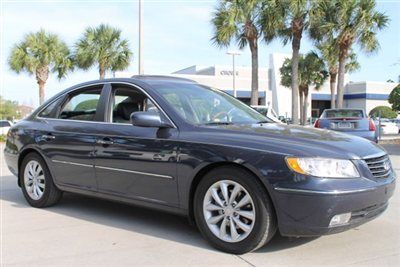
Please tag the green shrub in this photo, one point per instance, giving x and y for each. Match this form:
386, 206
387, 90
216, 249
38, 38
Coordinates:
394, 98
383, 111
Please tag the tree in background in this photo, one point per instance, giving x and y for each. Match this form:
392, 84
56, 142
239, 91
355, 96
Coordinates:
347, 22
102, 47
239, 20
8, 109
394, 98
290, 19
312, 72
383, 112
330, 55
39, 54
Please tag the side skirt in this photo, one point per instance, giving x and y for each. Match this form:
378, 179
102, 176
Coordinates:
160, 206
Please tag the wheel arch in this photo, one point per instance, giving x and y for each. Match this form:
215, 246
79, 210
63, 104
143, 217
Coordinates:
202, 172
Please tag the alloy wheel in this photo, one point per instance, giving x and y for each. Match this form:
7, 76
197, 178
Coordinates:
34, 180
229, 211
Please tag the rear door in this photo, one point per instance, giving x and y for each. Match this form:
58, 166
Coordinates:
135, 162
68, 139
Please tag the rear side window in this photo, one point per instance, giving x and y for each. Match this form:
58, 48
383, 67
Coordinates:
49, 111
82, 106
343, 113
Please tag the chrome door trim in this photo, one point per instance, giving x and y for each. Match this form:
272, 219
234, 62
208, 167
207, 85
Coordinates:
72, 163
135, 172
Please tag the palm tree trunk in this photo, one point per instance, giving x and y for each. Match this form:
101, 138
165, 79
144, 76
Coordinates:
295, 77
42, 74
41, 92
333, 76
254, 72
305, 106
301, 104
102, 73
342, 71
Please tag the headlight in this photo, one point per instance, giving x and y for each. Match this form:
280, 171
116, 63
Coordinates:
323, 167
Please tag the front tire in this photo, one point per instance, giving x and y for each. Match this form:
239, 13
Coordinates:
233, 211
37, 183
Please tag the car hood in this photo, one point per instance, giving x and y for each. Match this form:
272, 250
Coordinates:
290, 140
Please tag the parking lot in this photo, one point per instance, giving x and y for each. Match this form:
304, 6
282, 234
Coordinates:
83, 231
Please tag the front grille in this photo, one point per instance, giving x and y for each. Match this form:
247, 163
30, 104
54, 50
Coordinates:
380, 167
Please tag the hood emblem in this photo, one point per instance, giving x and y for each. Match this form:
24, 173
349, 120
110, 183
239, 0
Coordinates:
386, 165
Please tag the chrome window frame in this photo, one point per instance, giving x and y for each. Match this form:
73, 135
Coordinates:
104, 122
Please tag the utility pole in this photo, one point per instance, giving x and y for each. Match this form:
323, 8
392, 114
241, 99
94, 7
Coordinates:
141, 70
233, 54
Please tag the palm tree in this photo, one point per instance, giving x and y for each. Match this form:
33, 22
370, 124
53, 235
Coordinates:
41, 53
312, 72
290, 20
239, 20
348, 22
330, 54
102, 46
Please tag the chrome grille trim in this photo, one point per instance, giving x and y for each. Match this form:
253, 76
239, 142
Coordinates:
378, 166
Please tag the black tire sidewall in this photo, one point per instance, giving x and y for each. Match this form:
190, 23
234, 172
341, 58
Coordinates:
264, 212
47, 176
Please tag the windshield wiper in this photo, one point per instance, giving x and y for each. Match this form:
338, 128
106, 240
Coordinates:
218, 123
265, 121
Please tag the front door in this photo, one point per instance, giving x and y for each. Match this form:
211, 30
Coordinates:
135, 162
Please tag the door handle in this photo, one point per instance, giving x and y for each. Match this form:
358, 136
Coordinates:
105, 141
48, 137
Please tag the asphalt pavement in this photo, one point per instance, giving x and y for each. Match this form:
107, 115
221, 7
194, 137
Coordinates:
83, 231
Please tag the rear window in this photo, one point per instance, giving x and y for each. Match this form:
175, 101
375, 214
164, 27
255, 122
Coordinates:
343, 113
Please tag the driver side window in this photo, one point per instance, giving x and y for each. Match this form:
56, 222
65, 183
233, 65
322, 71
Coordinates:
127, 100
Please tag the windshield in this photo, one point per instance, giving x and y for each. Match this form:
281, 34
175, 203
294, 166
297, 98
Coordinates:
198, 104
343, 113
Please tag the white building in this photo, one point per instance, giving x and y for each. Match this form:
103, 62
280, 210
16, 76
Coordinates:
221, 77
365, 95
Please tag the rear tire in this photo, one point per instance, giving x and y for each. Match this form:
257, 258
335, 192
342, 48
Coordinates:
37, 183
222, 197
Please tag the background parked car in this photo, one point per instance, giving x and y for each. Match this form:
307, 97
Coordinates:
4, 126
397, 122
351, 121
387, 126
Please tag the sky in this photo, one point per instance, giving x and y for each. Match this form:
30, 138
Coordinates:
177, 34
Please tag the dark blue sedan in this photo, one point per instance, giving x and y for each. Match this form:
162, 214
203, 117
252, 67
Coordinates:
175, 145
350, 121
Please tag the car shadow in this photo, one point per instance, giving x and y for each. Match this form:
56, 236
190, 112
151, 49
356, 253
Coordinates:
279, 243
132, 218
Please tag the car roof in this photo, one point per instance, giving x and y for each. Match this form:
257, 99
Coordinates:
161, 78
339, 109
136, 79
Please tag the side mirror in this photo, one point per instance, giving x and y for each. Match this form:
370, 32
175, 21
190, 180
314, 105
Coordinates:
148, 119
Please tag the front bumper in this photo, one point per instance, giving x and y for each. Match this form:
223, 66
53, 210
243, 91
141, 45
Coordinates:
303, 212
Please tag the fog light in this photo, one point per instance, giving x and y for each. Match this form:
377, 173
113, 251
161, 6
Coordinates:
340, 219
